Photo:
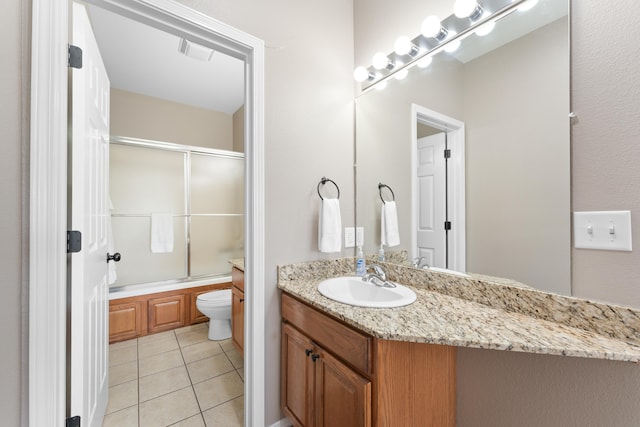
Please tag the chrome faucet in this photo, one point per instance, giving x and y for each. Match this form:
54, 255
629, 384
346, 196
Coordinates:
378, 277
419, 263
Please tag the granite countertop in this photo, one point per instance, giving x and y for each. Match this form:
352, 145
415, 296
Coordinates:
475, 312
237, 263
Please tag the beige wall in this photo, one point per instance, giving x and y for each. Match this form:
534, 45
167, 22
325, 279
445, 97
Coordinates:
503, 389
606, 135
139, 116
14, 74
238, 130
516, 100
308, 133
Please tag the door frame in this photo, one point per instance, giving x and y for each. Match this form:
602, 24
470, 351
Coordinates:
456, 179
48, 194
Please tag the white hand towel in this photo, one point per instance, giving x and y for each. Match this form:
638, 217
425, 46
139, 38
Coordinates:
330, 226
161, 233
389, 224
112, 274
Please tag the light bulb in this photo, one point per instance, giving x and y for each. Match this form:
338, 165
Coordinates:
486, 28
464, 8
425, 62
431, 26
401, 74
527, 5
402, 46
361, 74
380, 61
452, 46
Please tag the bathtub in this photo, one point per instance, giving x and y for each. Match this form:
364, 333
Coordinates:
157, 287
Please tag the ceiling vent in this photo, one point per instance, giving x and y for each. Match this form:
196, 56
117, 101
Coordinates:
194, 50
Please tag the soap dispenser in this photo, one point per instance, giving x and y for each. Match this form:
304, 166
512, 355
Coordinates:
361, 265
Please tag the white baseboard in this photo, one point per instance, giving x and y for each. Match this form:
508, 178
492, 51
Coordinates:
282, 423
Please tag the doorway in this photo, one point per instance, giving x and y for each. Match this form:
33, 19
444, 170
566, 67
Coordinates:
441, 238
48, 192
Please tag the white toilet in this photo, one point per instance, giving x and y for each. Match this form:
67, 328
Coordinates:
216, 305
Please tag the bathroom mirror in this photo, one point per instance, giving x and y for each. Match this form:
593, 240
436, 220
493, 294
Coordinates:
505, 190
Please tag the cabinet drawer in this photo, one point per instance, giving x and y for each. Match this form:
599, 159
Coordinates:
237, 278
344, 342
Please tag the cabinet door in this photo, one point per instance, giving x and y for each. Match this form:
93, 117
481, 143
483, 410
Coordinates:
237, 319
342, 397
166, 313
127, 320
297, 377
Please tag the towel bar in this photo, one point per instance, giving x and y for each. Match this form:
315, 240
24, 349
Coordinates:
323, 181
380, 186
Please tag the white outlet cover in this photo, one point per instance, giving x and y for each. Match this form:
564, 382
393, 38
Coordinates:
604, 230
349, 237
359, 236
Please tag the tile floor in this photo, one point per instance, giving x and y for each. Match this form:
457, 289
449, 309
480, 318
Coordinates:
175, 378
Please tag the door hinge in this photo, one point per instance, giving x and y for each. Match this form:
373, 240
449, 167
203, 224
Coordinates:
74, 241
75, 56
447, 153
447, 225
73, 421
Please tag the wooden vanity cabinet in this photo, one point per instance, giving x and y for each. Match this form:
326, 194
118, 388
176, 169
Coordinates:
334, 375
237, 309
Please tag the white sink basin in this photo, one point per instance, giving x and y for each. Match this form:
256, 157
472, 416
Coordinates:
354, 291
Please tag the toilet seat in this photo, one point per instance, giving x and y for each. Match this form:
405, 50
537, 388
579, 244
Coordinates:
216, 298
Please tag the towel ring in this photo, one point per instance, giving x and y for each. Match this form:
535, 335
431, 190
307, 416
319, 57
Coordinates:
323, 181
380, 187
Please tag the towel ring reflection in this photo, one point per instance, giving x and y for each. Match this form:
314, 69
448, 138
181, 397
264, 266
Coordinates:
323, 181
380, 187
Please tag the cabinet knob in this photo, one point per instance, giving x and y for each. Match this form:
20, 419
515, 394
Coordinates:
308, 351
315, 357
241, 299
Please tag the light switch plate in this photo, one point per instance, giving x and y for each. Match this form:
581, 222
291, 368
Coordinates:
605, 230
359, 236
349, 237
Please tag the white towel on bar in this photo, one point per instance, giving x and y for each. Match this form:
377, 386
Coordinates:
389, 224
330, 226
161, 233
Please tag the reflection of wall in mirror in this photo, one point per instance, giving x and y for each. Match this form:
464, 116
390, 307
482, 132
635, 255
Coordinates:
510, 195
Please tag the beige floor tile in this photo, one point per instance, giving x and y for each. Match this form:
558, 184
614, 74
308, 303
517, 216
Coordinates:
241, 373
157, 346
118, 356
195, 421
226, 344
169, 409
123, 344
235, 358
200, 350
126, 417
208, 368
123, 373
122, 396
160, 362
218, 390
190, 328
157, 336
229, 414
192, 337
164, 382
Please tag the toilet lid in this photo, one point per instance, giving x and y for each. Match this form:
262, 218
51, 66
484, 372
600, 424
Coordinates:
220, 297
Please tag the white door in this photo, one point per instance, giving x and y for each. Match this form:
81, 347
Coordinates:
89, 215
431, 203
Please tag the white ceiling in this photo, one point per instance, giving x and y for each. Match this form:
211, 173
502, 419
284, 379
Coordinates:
144, 60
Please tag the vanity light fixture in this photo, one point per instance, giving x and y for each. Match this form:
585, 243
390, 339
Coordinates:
468, 9
436, 36
401, 74
380, 61
432, 27
404, 46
